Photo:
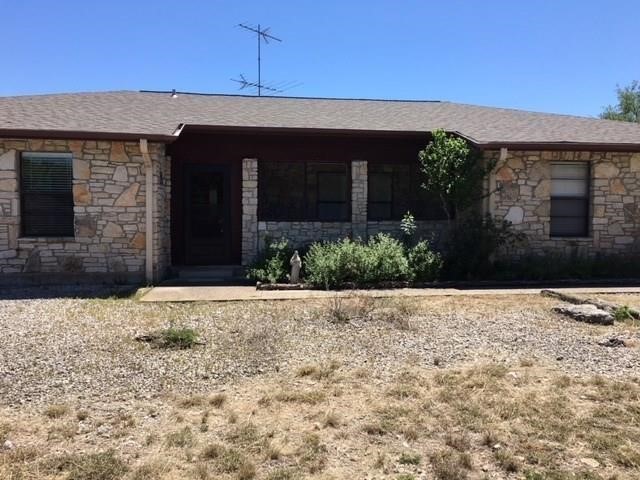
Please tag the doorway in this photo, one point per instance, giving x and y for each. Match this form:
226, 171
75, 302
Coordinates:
207, 215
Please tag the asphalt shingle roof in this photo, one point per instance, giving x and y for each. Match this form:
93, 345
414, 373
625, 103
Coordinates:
158, 114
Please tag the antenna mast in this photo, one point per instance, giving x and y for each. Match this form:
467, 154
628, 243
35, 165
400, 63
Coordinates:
261, 35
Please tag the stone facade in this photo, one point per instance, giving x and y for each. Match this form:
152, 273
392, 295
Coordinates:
161, 214
249, 210
109, 211
359, 184
523, 196
109, 188
302, 234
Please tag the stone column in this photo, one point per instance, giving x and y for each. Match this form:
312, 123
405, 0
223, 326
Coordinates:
359, 198
249, 210
9, 204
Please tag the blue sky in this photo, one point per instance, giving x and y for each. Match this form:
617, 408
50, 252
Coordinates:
561, 56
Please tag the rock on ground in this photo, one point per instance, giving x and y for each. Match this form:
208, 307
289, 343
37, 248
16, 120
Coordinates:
586, 313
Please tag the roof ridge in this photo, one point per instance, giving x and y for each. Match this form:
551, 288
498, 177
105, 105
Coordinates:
65, 94
290, 97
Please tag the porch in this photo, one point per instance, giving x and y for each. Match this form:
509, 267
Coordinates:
232, 189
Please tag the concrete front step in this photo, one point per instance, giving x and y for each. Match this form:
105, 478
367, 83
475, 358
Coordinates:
218, 273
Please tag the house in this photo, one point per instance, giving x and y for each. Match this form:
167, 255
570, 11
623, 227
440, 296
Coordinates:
125, 185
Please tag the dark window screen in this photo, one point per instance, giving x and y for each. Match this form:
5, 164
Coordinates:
290, 191
46, 182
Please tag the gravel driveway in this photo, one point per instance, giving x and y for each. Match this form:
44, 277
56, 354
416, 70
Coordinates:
60, 348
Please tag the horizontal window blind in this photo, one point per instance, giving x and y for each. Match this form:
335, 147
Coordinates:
570, 199
47, 194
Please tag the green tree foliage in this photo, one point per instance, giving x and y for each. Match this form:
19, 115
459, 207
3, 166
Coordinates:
453, 171
628, 107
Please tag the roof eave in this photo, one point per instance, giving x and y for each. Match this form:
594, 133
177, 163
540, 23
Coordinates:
84, 135
559, 146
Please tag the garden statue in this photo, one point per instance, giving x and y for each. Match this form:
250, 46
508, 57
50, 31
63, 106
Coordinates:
296, 265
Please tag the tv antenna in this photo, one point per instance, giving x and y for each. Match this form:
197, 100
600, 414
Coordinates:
262, 35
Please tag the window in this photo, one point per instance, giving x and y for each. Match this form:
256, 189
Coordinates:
570, 199
395, 189
46, 194
332, 196
380, 195
293, 191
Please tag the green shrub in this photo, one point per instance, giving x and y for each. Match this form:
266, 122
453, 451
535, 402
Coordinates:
333, 264
178, 337
623, 313
473, 243
272, 265
408, 228
385, 260
424, 263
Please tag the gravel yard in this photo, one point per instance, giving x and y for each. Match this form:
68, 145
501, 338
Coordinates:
81, 353
53, 348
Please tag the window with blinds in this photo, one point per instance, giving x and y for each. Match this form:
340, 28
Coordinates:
570, 199
46, 186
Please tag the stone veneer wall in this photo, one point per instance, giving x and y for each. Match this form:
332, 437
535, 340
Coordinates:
359, 192
523, 181
249, 210
161, 214
302, 234
109, 209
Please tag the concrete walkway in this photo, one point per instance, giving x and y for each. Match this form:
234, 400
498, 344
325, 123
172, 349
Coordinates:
233, 293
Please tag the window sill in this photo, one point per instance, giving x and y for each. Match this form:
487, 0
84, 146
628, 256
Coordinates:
581, 238
46, 239
303, 221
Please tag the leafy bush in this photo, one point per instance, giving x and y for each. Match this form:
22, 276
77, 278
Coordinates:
408, 227
332, 264
272, 265
384, 260
473, 243
424, 263
179, 337
623, 313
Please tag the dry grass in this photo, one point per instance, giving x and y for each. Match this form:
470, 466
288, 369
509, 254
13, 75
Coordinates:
540, 426
56, 410
353, 410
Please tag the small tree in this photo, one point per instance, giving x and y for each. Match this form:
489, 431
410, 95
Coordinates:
453, 171
628, 107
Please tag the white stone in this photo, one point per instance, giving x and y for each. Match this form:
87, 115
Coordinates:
606, 170
515, 215
8, 160
586, 313
121, 174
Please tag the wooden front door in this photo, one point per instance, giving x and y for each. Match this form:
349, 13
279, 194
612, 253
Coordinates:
207, 215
